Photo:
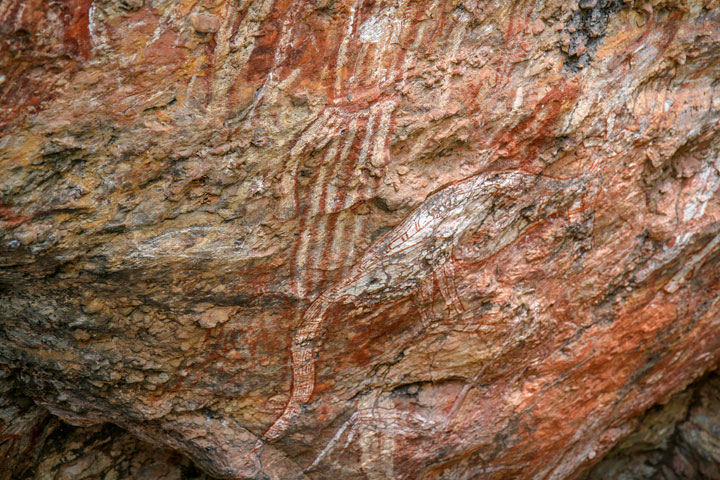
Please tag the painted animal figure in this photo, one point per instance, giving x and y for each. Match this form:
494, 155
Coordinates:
493, 208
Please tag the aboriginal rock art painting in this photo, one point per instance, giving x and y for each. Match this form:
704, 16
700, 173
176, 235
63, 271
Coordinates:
484, 213
347, 140
375, 424
339, 159
350, 172
352, 138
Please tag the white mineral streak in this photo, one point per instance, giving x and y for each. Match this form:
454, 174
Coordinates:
694, 263
198, 241
665, 256
708, 182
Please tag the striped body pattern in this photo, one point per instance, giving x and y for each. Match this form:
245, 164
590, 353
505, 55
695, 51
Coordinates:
401, 262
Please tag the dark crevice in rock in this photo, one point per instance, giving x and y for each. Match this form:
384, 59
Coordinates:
106, 452
678, 440
586, 29
35, 445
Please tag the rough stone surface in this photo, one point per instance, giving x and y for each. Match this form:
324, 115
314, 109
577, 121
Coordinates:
23, 429
74, 453
36, 446
672, 442
360, 239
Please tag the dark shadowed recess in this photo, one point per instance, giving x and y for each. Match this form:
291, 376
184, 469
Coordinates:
676, 441
586, 30
679, 440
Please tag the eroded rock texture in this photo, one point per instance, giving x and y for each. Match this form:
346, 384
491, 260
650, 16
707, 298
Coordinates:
674, 441
360, 239
36, 446
24, 428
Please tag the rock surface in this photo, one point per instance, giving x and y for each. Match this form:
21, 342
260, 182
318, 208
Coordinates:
360, 239
36, 446
676, 441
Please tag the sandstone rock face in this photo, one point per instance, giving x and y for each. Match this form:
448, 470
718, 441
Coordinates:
678, 440
359, 239
35, 446
23, 429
